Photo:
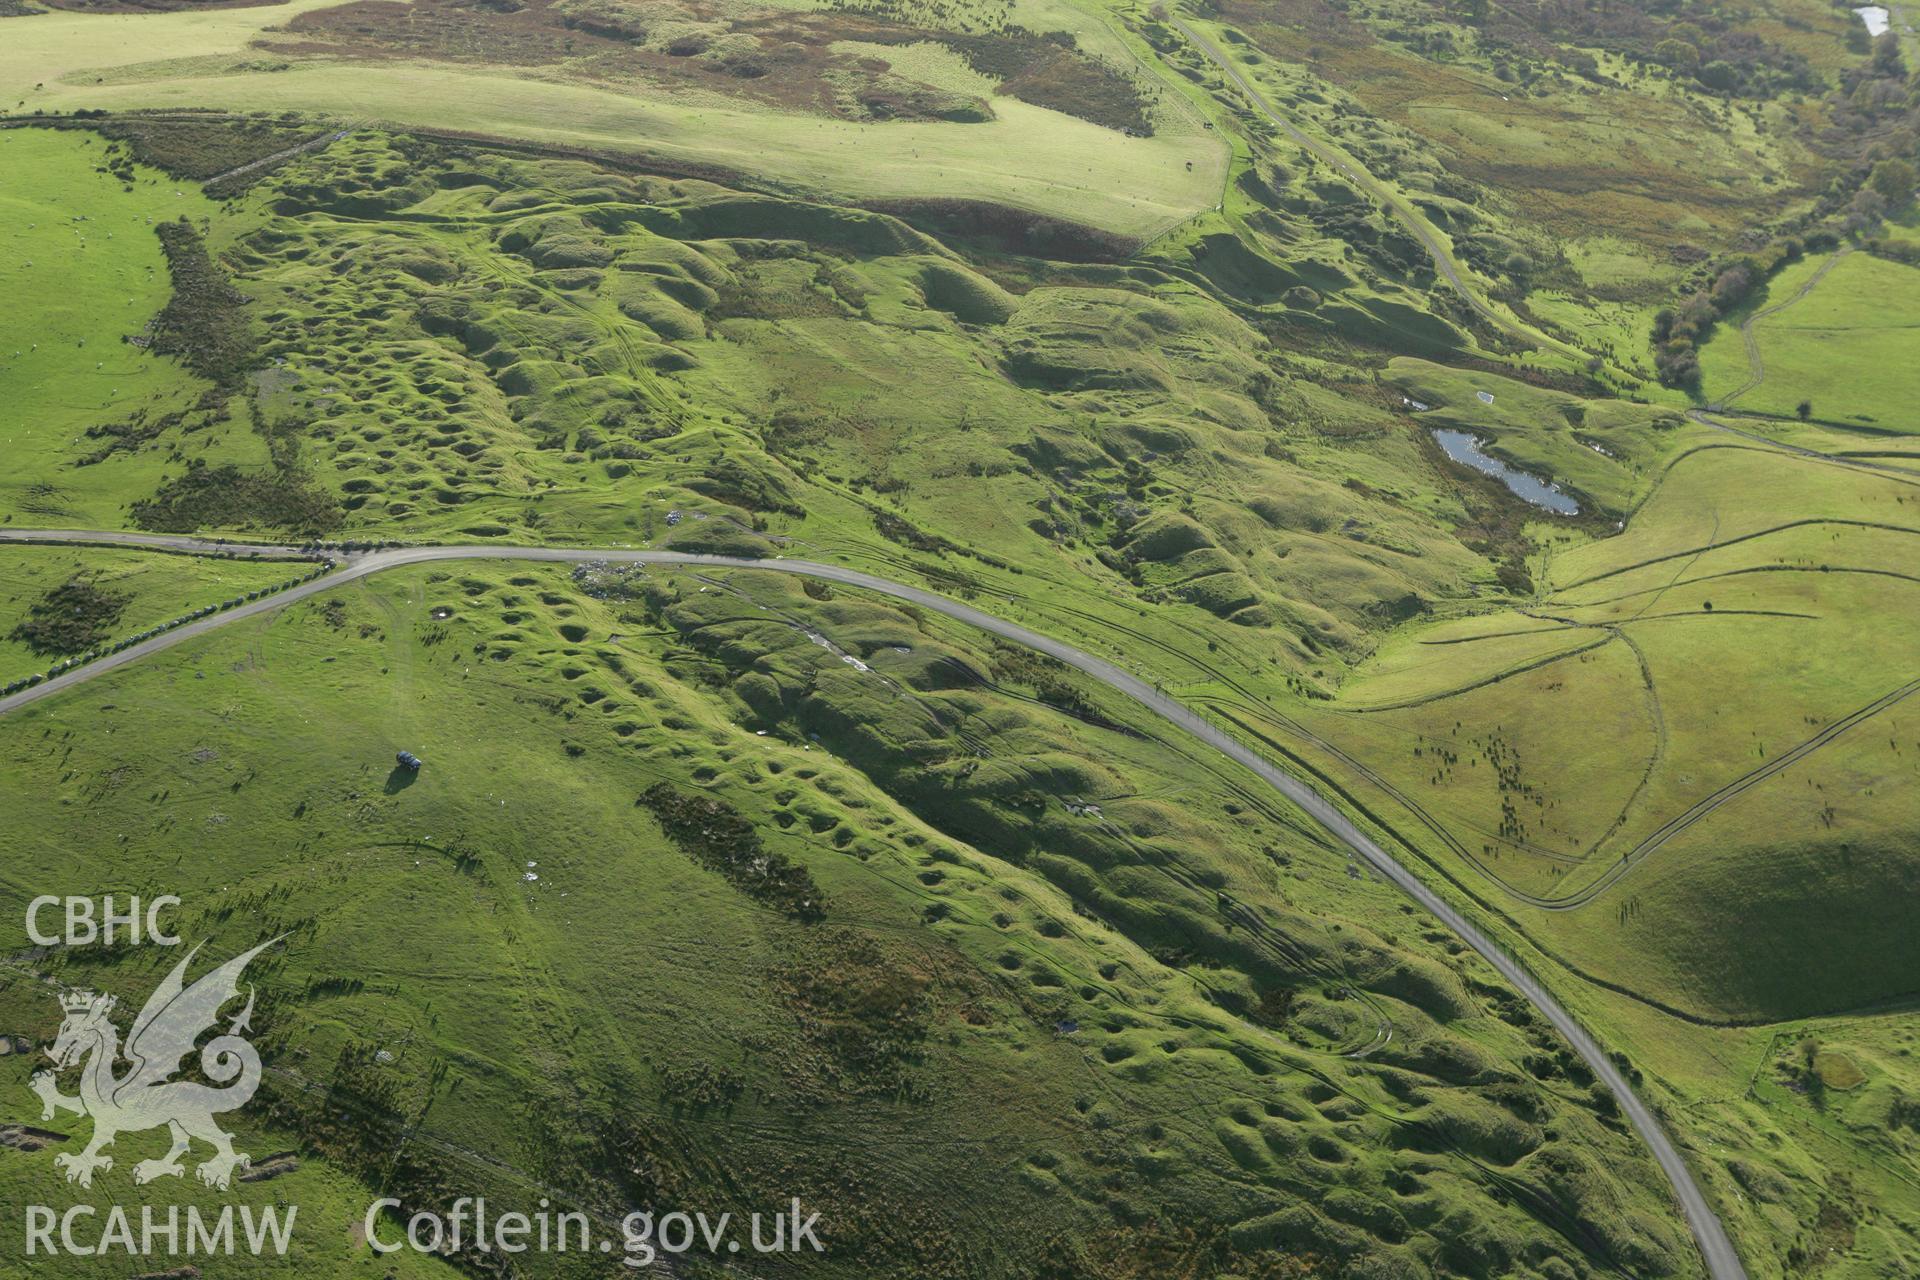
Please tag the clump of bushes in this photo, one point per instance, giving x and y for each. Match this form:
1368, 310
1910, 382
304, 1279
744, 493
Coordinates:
1876, 113
1678, 332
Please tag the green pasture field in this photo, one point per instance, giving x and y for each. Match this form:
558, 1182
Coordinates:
1725, 368
81, 264
327, 1214
157, 588
1711, 638
1846, 346
1552, 741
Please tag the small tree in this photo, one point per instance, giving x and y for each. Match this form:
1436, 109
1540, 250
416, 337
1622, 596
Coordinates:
1677, 54
1804, 409
1865, 213
1894, 180
1732, 287
1886, 55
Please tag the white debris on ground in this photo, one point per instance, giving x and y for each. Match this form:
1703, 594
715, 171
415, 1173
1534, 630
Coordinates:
837, 651
606, 581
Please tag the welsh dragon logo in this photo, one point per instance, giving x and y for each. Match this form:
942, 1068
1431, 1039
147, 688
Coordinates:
145, 1095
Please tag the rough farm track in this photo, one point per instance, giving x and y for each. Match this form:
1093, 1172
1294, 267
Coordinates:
1705, 419
1710, 1235
279, 157
1756, 370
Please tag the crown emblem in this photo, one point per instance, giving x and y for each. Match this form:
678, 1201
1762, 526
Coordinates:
77, 1001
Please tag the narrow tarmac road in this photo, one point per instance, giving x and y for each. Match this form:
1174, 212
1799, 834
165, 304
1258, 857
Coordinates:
1716, 1248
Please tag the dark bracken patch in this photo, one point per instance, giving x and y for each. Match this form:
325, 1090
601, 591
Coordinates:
863, 1009
201, 149
714, 834
202, 323
71, 618
1048, 70
228, 498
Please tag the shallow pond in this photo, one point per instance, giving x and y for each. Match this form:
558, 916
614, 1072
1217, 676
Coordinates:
1465, 449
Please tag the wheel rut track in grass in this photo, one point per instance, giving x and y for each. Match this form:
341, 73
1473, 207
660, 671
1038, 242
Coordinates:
1895, 574
1756, 369
1509, 673
1705, 806
1901, 475
1694, 552
1658, 715
1710, 1235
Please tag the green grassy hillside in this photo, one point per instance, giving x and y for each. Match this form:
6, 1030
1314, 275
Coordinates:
1023, 997
59, 602
1835, 336
719, 889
